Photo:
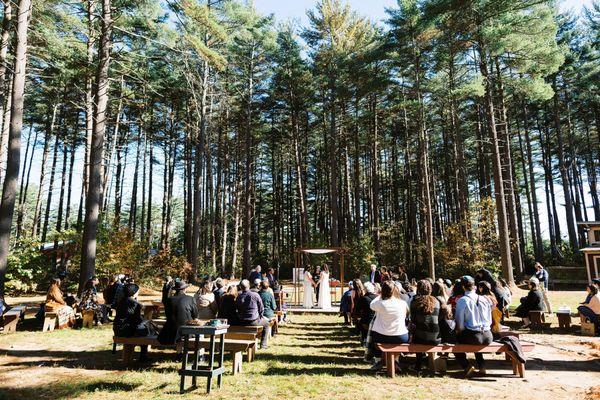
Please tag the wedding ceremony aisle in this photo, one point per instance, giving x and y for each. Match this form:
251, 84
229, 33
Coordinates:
313, 357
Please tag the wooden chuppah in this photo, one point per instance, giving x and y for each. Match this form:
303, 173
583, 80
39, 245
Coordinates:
316, 251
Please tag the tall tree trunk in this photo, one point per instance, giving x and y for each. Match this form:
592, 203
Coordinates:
504, 238
94, 193
9, 187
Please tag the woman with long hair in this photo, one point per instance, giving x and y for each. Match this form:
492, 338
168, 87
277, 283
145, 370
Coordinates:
424, 314
358, 292
206, 301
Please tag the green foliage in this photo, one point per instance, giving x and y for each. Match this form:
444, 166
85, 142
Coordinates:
361, 254
27, 267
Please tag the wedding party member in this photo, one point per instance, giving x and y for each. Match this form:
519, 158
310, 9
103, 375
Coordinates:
591, 307
375, 276
250, 311
424, 314
389, 325
227, 307
206, 301
309, 285
473, 318
346, 304
56, 303
179, 309
534, 301
317, 288
324, 301
271, 277
364, 312
129, 321
542, 275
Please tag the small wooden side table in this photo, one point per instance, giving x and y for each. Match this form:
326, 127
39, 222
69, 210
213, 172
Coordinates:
564, 319
195, 333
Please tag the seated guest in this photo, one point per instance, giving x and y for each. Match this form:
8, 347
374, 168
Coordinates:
365, 313
358, 291
485, 289
250, 311
507, 292
402, 275
167, 287
591, 307
129, 321
255, 274
385, 274
56, 303
458, 291
119, 286
206, 302
3, 305
473, 318
256, 285
218, 290
424, 314
227, 308
389, 325
438, 290
266, 295
89, 301
179, 309
346, 304
534, 301
109, 292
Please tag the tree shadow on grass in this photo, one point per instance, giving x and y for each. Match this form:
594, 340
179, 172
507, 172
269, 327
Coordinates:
63, 390
90, 359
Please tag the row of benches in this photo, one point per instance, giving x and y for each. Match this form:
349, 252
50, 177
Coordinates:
238, 340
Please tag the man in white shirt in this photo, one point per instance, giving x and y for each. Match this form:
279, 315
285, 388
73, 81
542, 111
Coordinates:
473, 318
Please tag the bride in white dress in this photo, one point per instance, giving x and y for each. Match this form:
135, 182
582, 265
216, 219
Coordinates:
324, 292
307, 302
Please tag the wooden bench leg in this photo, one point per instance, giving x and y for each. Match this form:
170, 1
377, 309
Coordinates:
10, 323
514, 366
49, 324
521, 368
431, 359
237, 362
390, 364
128, 350
443, 365
250, 354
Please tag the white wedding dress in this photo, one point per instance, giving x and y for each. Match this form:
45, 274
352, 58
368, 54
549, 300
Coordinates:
307, 301
324, 292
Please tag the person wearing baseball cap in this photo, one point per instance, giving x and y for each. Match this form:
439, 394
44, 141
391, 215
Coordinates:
534, 301
473, 324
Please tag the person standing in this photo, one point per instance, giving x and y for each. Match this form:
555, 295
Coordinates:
542, 275
316, 280
309, 284
473, 318
324, 293
375, 276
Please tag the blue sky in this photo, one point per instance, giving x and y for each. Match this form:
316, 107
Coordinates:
374, 9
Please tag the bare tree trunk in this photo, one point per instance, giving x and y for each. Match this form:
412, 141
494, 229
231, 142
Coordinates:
9, 188
23, 187
5, 90
51, 183
94, 193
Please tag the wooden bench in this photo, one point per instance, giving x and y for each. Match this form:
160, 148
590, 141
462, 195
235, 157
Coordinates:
391, 350
11, 318
88, 318
234, 346
538, 320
